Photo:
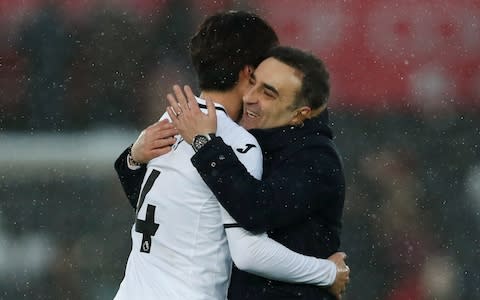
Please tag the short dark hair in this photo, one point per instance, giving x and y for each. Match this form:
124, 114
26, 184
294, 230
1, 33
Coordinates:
315, 88
225, 43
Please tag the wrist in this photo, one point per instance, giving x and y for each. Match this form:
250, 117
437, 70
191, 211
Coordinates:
332, 272
131, 162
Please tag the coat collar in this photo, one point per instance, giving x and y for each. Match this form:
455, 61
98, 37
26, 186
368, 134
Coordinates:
273, 139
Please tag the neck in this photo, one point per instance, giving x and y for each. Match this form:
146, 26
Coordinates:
231, 100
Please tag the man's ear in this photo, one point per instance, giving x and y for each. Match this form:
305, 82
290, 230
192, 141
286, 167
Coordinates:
247, 70
301, 114
317, 111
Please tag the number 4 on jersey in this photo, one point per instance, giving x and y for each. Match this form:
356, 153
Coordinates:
147, 227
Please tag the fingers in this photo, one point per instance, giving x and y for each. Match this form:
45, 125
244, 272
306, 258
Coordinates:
343, 275
161, 151
181, 99
344, 268
158, 123
212, 115
192, 102
153, 141
174, 106
184, 102
166, 133
163, 142
162, 130
172, 114
339, 255
211, 109
151, 154
159, 146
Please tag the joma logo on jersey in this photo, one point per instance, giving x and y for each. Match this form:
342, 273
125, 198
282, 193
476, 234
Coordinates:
246, 149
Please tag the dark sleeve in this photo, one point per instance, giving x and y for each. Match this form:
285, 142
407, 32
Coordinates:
303, 184
131, 180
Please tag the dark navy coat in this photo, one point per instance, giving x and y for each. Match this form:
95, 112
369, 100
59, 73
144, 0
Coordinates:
299, 200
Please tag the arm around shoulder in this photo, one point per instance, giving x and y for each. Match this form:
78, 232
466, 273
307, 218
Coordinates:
302, 185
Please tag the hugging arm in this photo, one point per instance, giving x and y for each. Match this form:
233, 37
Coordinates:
152, 142
260, 255
286, 196
130, 178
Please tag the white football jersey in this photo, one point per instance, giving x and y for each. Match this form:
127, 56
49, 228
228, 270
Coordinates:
179, 246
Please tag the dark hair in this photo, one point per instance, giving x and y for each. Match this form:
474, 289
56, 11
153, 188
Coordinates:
225, 43
315, 88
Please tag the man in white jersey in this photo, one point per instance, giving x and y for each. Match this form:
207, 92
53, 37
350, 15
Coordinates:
179, 247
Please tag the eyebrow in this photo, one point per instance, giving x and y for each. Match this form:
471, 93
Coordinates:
267, 86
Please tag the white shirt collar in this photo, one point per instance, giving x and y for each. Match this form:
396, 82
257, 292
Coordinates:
204, 103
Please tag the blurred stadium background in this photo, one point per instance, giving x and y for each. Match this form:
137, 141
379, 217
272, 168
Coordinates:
80, 79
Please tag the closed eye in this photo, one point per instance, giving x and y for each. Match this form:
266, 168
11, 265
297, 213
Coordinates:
268, 93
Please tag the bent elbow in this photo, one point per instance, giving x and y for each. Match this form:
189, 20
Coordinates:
244, 262
244, 258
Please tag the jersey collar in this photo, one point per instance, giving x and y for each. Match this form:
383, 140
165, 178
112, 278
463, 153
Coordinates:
203, 104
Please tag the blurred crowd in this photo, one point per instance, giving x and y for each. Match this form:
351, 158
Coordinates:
412, 213
109, 67
411, 221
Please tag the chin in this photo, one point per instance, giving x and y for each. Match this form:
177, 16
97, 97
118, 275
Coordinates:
245, 124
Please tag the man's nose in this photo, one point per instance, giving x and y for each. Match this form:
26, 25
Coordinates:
249, 97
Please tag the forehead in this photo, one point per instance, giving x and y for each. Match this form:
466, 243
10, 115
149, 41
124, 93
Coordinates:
286, 79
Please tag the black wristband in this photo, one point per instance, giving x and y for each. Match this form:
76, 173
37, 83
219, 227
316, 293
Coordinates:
130, 159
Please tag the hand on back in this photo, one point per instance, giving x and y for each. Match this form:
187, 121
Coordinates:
187, 120
343, 275
186, 115
155, 140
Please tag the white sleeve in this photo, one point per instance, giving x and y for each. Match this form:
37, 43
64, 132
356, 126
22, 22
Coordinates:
260, 255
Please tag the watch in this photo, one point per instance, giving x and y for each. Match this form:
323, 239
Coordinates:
200, 140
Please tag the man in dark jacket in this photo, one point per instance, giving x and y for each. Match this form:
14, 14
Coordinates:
299, 201
225, 50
